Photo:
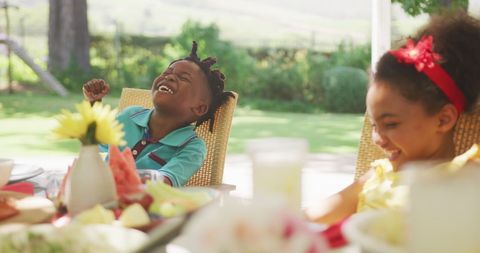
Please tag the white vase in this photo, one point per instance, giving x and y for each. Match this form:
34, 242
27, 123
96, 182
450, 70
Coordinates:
90, 182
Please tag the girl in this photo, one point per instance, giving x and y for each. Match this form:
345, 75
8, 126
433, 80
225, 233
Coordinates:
413, 103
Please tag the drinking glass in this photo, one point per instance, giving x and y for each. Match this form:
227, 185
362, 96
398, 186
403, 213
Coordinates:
443, 208
54, 183
6, 166
277, 167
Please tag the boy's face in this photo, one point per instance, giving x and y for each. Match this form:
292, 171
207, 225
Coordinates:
182, 91
403, 129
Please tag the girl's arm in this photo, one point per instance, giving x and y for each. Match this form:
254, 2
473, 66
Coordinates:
338, 206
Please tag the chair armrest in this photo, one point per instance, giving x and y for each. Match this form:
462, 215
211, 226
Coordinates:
224, 188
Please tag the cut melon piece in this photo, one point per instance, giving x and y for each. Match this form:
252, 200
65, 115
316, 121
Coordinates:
134, 216
96, 215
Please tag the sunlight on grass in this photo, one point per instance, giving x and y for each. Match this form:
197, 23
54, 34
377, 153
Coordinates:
31, 135
335, 133
26, 122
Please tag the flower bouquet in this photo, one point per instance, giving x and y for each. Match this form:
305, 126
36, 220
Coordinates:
90, 181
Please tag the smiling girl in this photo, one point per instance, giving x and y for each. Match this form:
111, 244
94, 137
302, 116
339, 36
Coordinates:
413, 104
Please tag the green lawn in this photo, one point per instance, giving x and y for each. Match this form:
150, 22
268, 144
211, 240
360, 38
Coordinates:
26, 121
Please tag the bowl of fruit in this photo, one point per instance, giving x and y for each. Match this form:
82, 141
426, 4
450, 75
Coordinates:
147, 209
139, 204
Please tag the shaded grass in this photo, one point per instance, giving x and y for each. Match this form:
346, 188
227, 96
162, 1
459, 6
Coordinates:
27, 119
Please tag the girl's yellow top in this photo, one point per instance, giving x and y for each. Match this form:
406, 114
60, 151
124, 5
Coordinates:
383, 190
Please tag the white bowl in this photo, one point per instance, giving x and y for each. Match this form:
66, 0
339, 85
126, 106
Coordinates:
357, 231
6, 166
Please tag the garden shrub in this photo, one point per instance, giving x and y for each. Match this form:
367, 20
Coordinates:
317, 63
237, 65
281, 76
345, 89
278, 105
21, 72
348, 54
288, 78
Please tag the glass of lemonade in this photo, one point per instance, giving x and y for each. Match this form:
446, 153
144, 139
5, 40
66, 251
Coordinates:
444, 211
277, 167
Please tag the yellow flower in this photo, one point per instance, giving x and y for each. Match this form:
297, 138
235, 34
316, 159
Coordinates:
86, 111
109, 130
91, 125
70, 126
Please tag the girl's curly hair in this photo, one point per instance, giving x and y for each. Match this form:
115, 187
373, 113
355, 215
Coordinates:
456, 38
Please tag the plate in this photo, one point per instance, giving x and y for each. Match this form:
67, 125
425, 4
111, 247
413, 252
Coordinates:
160, 236
213, 193
32, 209
73, 238
23, 172
158, 219
358, 229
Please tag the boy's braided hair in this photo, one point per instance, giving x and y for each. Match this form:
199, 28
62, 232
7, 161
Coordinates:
216, 84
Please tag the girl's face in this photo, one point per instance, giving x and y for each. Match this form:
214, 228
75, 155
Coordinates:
403, 129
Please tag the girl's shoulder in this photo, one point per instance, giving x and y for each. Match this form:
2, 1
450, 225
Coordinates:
382, 167
381, 189
381, 173
460, 161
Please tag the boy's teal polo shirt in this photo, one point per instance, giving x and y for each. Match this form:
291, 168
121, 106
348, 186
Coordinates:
178, 155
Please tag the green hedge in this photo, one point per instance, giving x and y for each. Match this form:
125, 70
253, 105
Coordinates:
292, 78
345, 89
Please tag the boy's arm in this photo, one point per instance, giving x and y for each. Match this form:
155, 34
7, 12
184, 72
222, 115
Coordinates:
95, 89
185, 163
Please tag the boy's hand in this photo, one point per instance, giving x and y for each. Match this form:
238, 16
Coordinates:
95, 89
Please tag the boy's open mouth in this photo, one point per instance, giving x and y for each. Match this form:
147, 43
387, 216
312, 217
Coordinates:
165, 89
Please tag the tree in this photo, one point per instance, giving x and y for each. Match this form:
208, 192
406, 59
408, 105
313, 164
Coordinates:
416, 7
68, 36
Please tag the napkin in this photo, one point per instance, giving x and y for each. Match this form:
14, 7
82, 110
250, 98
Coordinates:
334, 235
21, 187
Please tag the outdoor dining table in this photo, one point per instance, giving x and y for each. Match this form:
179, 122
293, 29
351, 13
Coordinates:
54, 169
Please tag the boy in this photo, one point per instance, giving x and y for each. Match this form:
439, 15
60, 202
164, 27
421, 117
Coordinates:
163, 138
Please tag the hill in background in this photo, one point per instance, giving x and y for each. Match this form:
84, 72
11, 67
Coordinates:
320, 24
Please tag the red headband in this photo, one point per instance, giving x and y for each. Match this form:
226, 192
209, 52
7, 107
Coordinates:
426, 61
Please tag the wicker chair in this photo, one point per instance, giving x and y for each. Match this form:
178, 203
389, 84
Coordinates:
467, 132
211, 172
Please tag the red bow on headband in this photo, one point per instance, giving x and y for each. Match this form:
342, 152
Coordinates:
426, 61
421, 55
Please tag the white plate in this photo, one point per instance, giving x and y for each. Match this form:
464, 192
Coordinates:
22, 172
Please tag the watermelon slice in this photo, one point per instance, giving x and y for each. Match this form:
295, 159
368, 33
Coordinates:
124, 171
61, 191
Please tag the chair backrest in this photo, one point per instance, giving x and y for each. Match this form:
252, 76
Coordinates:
466, 133
211, 172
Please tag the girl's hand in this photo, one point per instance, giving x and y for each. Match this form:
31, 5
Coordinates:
95, 89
